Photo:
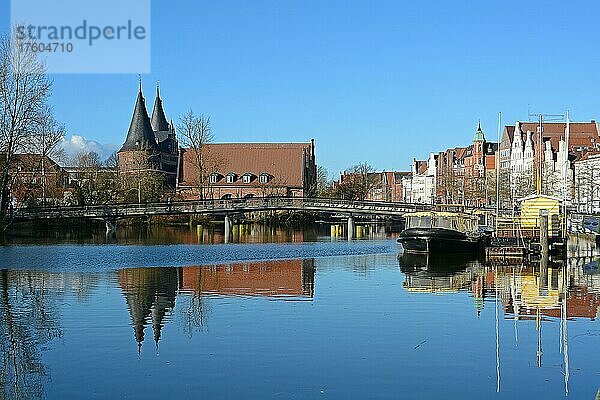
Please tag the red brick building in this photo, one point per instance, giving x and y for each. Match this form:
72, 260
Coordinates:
465, 174
36, 177
241, 170
382, 186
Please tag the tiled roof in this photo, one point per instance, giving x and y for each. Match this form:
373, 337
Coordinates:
460, 152
421, 167
140, 135
159, 120
399, 175
31, 162
581, 134
283, 161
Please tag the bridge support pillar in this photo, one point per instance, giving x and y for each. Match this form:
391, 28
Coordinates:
228, 229
350, 228
111, 226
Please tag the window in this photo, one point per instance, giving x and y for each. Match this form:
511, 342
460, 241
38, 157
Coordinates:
214, 178
246, 178
264, 178
230, 178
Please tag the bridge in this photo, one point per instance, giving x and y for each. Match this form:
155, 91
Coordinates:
110, 213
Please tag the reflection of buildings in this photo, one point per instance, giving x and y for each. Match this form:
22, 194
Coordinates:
538, 292
523, 290
255, 233
150, 293
261, 278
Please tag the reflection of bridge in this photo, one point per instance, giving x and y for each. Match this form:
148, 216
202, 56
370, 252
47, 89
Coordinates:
113, 212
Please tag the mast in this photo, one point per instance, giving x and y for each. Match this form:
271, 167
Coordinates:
540, 155
498, 172
565, 336
566, 176
497, 332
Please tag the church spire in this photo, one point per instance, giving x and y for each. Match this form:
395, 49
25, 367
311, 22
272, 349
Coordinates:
479, 135
159, 120
140, 135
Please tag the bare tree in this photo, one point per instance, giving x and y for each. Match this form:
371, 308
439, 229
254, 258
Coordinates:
94, 183
324, 185
24, 90
45, 141
195, 132
359, 181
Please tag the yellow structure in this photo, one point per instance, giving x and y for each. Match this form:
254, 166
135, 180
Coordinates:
530, 213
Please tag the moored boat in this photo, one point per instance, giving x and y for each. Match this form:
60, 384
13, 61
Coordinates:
440, 232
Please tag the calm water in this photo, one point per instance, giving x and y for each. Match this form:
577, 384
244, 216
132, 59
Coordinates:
317, 320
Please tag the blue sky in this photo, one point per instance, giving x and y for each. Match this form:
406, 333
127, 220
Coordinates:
381, 82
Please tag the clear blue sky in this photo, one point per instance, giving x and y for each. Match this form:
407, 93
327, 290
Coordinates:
381, 82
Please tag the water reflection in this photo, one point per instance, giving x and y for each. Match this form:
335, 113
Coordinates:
438, 273
523, 289
262, 313
205, 233
30, 319
147, 234
150, 293
542, 292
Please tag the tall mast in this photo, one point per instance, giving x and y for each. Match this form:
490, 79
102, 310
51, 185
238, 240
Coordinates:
540, 155
566, 175
498, 172
497, 330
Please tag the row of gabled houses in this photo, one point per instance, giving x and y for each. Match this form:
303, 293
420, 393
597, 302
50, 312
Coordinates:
531, 158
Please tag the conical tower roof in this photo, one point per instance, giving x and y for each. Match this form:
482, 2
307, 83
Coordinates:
140, 135
159, 120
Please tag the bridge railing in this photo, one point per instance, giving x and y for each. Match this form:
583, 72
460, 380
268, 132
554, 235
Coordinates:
215, 205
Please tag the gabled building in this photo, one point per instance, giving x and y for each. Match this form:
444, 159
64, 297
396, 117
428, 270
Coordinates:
242, 170
528, 166
423, 180
587, 183
151, 144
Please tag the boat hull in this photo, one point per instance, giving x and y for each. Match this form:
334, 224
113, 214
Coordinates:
437, 240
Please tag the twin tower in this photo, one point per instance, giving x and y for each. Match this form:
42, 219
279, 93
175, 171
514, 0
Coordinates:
151, 144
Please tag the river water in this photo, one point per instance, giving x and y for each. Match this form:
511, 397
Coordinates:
294, 315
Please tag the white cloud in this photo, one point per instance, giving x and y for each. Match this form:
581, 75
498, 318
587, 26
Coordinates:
76, 144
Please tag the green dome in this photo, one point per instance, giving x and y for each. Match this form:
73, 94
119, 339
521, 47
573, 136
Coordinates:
479, 135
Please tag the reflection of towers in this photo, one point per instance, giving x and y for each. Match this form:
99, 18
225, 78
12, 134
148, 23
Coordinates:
150, 294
